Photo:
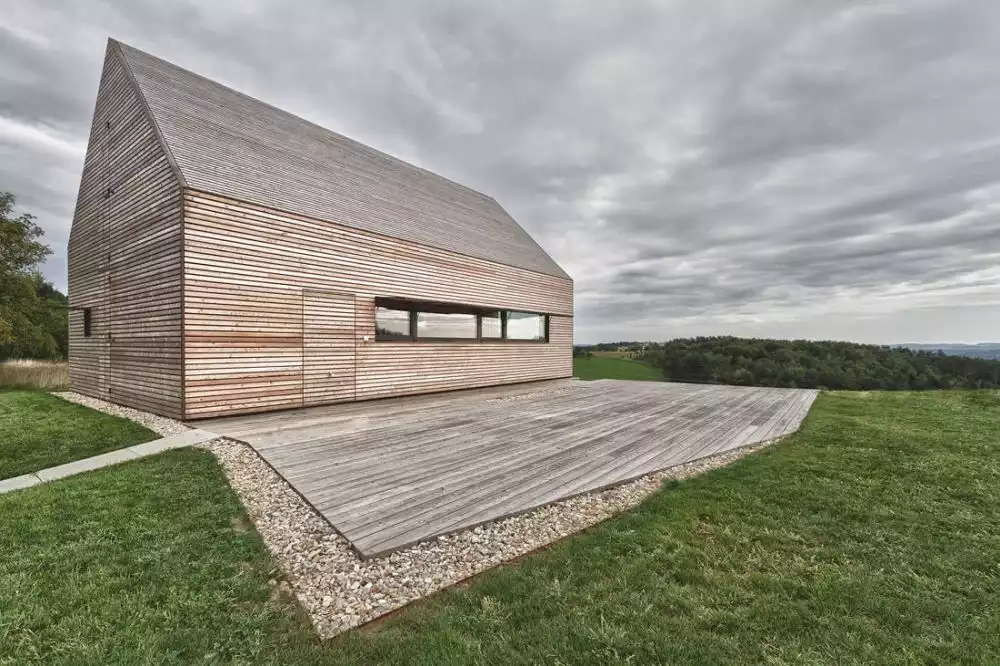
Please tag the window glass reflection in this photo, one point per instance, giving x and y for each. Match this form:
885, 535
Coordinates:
491, 325
440, 325
525, 326
391, 323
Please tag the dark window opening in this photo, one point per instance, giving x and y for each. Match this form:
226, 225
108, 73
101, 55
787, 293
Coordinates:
401, 319
86, 322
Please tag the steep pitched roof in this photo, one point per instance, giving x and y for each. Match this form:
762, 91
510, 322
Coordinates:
228, 143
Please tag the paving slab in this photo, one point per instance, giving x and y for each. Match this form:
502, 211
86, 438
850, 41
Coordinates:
180, 440
86, 465
18, 482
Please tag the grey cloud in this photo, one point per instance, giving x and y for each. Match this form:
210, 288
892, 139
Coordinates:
773, 168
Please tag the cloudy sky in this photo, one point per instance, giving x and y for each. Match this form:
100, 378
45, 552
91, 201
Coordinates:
786, 169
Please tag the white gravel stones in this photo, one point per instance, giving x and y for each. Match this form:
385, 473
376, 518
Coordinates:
161, 425
340, 591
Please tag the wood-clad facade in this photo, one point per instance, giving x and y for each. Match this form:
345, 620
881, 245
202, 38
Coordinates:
125, 257
203, 303
267, 293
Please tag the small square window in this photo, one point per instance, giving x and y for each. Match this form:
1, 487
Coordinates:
86, 322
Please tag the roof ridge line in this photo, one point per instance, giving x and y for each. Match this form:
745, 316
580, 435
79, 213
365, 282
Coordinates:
147, 111
237, 146
300, 118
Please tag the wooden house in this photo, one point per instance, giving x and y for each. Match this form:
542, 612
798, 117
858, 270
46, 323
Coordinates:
229, 257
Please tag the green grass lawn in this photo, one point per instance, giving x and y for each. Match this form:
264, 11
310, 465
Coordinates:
871, 536
609, 367
39, 430
148, 562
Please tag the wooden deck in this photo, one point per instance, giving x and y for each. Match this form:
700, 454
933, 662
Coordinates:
390, 473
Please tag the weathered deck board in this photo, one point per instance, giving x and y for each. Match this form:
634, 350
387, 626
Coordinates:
391, 473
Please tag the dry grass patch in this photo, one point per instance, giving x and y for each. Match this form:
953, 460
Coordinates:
28, 374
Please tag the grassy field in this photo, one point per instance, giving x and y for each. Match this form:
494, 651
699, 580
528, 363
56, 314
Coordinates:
613, 367
38, 430
48, 375
613, 354
873, 535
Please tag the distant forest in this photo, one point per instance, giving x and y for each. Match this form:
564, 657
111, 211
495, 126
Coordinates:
809, 364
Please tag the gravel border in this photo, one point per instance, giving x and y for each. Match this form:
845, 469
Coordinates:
338, 589
161, 425
341, 591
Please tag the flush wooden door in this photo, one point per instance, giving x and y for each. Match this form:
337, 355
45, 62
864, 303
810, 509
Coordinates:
328, 347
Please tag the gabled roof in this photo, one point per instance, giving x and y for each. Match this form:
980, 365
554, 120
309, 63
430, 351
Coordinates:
228, 143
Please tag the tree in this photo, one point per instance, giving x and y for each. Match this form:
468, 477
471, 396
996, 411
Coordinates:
32, 311
20, 251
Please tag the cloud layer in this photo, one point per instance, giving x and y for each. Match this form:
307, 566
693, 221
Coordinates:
821, 169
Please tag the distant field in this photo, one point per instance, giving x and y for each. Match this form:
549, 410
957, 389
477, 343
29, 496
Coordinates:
48, 375
612, 354
987, 350
611, 367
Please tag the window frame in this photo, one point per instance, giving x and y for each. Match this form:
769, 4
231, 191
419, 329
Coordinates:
416, 306
545, 327
411, 322
477, 325
88, 323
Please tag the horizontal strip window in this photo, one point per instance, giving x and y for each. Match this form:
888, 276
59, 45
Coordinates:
420, 321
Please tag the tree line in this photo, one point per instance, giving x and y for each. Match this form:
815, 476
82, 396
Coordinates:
813, 364
33, 313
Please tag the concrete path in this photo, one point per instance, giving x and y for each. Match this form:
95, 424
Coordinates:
186, 438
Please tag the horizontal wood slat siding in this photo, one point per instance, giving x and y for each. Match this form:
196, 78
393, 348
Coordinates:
328, 347
236, 146
125, 258
245, 271
310, 253
243, 345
